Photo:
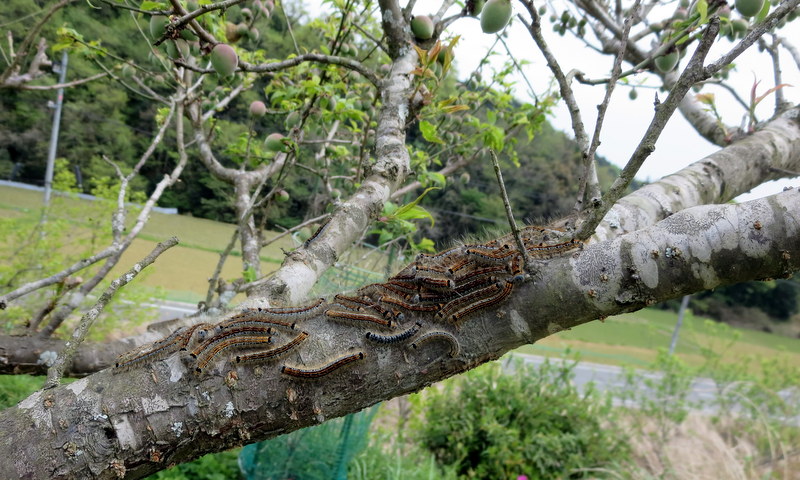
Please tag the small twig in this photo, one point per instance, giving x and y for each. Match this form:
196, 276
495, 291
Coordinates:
295, 228
535, 29
289, 28
349, 63
510, 214
795, 54
64, 360
517, 66
730, 90
789, 173
588, 180
58, 277
212, 282
693, 73
378, 42
776, 69
73, 83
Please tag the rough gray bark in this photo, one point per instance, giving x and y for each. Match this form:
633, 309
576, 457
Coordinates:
138, 422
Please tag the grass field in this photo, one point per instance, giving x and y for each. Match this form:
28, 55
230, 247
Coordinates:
631, 339
183, 271
635, 338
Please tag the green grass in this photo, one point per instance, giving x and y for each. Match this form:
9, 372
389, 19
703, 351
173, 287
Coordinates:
183, 271
634, 339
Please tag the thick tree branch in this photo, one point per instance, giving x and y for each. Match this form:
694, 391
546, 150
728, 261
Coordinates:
302, 267
160, 413
770, 153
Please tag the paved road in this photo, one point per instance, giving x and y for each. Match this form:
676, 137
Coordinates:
167, 310
612, 378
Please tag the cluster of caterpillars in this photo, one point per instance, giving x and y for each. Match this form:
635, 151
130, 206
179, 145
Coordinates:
426, 301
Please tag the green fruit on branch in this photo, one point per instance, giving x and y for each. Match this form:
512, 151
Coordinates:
276, 142
258, 109
292, 120
495, 15
749, 8
739, 27
474, 7
224, 59
282, 196
633, 94
158, 25
422, 27
232, 33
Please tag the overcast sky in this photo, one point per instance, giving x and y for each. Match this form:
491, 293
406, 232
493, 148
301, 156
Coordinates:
626, 120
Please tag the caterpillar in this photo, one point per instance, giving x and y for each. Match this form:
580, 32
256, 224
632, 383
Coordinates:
322, 371
395, 338
361, 317
159, 349
230, 332
229, 342
455, 348
554, 250
409, 306
486, 302
360, 303
492, 255
458, 265
317, 233
481, 272
468, 299
274, 352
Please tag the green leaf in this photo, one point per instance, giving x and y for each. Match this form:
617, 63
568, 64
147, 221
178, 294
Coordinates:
429, 132
414, 213
426, 245
437, 178
702, 8
493, 138
764, 12
410, 206
249, 274
148, 5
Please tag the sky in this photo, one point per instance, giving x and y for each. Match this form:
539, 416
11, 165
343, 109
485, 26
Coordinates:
626, 120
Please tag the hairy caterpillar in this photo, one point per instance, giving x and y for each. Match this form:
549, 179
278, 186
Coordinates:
322, 371
395, 338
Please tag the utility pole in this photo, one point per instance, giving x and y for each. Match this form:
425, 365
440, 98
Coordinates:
681, 312
51, 154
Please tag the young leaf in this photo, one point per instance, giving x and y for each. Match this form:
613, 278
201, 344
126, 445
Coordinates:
429, 132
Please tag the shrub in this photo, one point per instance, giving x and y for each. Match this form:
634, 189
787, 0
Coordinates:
533, 422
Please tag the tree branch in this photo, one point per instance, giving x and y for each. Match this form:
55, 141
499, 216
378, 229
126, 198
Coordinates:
301, 269
690, 75
348, 63
64, 360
